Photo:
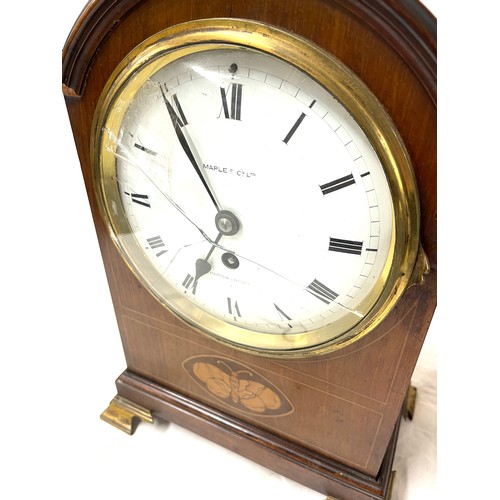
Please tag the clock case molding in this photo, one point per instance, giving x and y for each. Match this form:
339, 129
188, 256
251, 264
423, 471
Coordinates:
340, 435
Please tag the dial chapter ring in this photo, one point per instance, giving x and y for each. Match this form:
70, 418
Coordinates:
197, 36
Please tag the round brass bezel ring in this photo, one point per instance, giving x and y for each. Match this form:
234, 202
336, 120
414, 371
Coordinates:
336, 78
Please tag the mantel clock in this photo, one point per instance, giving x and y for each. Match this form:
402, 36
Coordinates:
262, 181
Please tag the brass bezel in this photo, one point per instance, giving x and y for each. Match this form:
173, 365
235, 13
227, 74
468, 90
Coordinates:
335, 77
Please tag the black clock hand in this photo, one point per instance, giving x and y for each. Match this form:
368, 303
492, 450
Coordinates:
165, 195
227, 224
176, 122
202, 265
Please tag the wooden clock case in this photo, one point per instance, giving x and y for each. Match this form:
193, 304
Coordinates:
338, 429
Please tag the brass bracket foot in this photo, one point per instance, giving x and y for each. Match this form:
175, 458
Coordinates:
409, 406
392, 480
125, 415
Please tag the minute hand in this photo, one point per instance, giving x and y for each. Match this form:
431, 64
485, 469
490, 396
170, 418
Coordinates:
189, 150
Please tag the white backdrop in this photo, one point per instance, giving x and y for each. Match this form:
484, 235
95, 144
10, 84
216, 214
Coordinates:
61, 351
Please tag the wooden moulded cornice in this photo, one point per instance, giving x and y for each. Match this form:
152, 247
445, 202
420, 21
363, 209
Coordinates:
94, 24
405, 24
409, 28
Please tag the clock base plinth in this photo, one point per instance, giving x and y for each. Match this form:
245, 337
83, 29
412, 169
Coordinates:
388, 496
281, 455
125, 415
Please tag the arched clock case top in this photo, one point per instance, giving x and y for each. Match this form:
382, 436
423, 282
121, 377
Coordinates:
258, 405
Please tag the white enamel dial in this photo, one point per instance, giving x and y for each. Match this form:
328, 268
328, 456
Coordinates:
247, 198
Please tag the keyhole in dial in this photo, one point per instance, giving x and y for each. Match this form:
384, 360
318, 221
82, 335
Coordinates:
230, 260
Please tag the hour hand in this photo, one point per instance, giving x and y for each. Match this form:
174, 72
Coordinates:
187, 147
202, 265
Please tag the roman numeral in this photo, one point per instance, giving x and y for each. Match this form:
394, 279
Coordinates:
140, 199
178, 117
156, 242
188, 282
322, 292
146, 150
296, 125
282, 315
343, 182
232, 110
345, 246
233, 308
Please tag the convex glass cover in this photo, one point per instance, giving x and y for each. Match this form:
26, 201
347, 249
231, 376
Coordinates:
255, 187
